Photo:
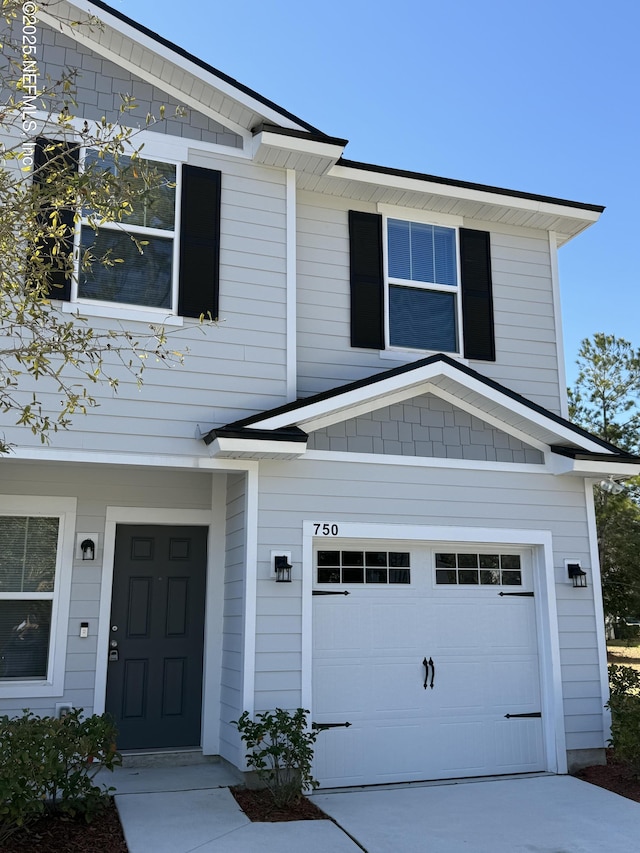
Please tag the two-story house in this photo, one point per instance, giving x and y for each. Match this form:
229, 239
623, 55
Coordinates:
360, 494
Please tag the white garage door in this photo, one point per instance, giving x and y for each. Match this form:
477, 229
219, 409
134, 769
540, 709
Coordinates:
431, 658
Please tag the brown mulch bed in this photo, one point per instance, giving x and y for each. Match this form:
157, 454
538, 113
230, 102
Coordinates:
259, 806
614, 776
58, 834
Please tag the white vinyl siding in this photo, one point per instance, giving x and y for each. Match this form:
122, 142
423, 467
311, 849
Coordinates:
292, 492
526, 357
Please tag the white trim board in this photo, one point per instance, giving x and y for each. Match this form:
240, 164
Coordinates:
541, 541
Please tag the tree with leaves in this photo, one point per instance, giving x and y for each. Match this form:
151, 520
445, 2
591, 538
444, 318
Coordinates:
606, 400
43, 195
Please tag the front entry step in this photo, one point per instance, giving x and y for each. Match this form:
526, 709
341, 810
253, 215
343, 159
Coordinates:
166, 757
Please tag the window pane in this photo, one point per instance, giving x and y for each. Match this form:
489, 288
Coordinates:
510, 561
353, 575
422, 259
398, 244
328, 558
444, 243
352, 558
445, 561
446, 576
24, 639
422, 319
399, 559
142, 279
468, 576
512, 578
376, 575
489, 561
376, 558
489, 577
156, 194
399, 576
468, 561
329, 575
28, 548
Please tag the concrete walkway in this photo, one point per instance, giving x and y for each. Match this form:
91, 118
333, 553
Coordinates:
189, 809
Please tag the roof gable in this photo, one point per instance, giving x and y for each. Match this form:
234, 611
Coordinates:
449, 380
424, 426
184, 76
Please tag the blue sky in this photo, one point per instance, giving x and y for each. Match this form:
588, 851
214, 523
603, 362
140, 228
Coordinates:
537, 96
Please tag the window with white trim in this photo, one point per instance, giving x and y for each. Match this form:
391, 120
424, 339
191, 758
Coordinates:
28, 559
142, 247
163, 256
422, 286
36, 553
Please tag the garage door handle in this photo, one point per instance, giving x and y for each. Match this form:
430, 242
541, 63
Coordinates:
426, 664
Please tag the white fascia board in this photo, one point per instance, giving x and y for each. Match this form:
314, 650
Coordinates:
142, 460
383, 179
366, 398
175, 59
295, 143
257, 448
587, 468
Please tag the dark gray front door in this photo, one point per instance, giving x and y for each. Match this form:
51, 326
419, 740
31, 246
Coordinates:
154, 683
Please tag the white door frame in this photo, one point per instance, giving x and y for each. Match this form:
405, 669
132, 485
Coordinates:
213, 623
541, 543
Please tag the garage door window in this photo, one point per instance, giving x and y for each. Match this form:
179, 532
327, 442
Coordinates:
478, 569
372, 567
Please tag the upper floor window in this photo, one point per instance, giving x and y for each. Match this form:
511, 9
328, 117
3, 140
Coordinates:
141, 249
422, 274
420, 285
162, 256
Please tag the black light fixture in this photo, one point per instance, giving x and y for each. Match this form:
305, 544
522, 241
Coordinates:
282, 568
88, 548
577, 575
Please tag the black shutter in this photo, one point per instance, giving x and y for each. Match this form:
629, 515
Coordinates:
199, 242
367, 280
61, 160
477, 299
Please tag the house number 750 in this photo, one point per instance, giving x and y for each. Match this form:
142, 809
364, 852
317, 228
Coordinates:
325, 530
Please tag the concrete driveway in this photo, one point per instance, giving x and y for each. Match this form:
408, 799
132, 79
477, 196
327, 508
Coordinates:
189, 809
550, 814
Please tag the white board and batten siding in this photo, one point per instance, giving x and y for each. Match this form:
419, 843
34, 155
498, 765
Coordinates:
525, 325
310, 490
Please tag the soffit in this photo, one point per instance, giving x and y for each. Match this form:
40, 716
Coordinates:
485, 206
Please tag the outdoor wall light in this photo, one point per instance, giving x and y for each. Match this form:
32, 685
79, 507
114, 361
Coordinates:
88, 548
282, 568
577, 575
611, 486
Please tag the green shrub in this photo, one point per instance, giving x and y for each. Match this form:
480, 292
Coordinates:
49, 764
624, 704
281, 752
